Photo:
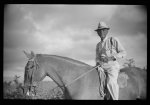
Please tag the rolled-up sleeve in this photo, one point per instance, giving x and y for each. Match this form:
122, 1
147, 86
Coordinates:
121, 53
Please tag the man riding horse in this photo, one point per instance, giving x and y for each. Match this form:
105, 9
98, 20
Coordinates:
78, 80
108, 50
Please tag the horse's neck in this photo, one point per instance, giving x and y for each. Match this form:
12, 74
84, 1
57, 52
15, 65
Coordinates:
64, 69
69, 72
85, 87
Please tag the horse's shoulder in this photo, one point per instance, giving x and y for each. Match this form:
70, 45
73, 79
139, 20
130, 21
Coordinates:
134, 73
124, 75
122, 79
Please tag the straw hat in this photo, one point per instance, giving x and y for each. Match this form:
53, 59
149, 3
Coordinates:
102, 25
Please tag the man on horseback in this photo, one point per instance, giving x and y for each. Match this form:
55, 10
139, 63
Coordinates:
108, 50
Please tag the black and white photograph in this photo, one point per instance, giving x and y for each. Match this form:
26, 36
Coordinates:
75, 52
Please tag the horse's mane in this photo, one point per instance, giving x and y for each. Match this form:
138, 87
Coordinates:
63, 58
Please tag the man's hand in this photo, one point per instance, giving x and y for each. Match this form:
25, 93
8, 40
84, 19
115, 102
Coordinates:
99, 67
97, 63
112, 58
106, 59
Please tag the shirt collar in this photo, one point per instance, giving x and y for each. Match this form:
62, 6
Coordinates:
105, 39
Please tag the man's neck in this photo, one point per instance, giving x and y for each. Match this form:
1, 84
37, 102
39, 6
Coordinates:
103, 40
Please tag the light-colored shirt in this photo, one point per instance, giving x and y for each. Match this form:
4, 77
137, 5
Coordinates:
109, 48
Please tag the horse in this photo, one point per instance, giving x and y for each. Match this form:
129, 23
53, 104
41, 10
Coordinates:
64, 72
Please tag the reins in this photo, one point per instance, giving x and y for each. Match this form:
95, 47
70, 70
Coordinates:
78, 77
81, 76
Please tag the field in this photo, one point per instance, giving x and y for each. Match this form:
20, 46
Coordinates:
44, 91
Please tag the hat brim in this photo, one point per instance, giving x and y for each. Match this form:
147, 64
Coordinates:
101, 29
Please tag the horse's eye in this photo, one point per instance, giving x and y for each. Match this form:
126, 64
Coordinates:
31, 66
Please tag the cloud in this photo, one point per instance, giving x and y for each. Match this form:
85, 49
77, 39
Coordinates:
129, 19
68, 30
13, 56
132, 13
9, 74
86, 16
72, 15
23, 30
136, 47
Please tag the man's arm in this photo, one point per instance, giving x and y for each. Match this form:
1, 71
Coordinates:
121, 53
97, 55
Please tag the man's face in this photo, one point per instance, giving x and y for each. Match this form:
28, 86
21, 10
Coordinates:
102, 33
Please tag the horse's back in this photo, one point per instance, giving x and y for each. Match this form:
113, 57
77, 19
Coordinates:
136, 84
88, 86
141, 76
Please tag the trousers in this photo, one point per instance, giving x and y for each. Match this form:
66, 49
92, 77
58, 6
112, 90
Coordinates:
112, 69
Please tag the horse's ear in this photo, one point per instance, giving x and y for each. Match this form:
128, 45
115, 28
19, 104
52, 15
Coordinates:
27, 54
32, 54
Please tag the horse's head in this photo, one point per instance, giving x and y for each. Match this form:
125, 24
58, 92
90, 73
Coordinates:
30, 69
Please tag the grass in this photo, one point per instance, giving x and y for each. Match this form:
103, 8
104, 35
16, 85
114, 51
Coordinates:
44, 91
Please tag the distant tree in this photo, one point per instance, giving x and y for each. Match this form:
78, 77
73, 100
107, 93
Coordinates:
16, 79
129, 62
7, 87
144, 68
14, 91
19, 86
7, 83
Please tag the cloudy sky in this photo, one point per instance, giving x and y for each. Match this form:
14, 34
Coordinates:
68, 30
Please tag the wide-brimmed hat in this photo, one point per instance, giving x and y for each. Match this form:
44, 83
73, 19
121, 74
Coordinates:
102, 25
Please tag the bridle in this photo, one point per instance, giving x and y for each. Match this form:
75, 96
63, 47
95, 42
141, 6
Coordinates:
82, 75
35, 67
